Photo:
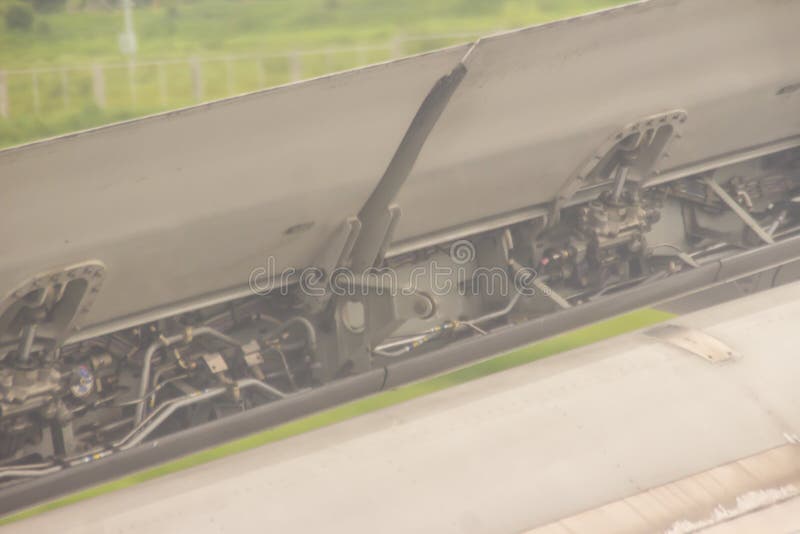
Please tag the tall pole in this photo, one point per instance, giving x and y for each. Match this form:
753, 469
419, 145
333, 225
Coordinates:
127, 39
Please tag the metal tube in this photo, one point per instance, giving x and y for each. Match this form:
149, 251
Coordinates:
499, 313
391, 354
208, 331
738, 210
311, 333
25, 473
258, 384
418, 339
168, 408
311, 342
28, 335
145, 379
26, 467
619, 182
776, 223
159, 416
166, 342
404, 341
286, 368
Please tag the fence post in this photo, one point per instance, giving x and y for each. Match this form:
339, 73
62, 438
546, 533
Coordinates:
262, 77
35, 84
197, 80
162, 85
398, 50
132, 81
295, 67
99, 86
64, 88
3, 94
229, 77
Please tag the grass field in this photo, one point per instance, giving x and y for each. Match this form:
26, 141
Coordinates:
214, 30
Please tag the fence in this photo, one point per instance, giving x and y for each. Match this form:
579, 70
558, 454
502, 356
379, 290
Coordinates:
162, 84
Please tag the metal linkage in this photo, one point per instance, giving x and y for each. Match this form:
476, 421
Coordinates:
738, 210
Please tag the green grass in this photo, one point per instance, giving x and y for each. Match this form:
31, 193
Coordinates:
206, 27
216, 29
578, 338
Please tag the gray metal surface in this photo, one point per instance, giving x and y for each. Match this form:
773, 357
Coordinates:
506, 453
538, 102
181, 207
188, 203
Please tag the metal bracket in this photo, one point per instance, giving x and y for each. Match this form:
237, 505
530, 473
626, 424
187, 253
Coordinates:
215, 362
348, 346
551, 293
378, 216
341, 245
738, 210
46, 309
631, 154
334, 256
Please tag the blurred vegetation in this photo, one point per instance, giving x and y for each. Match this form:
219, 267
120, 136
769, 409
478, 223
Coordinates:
19, 17
51, 33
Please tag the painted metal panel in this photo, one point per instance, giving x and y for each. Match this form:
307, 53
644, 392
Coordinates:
188, 203
538, 102
182, 206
